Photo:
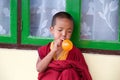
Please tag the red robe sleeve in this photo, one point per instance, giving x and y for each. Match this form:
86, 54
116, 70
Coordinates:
43, 51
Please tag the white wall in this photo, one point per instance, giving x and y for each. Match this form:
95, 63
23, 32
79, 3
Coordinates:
20, 65
103, 67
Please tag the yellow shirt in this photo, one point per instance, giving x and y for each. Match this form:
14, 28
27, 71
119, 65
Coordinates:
63, 55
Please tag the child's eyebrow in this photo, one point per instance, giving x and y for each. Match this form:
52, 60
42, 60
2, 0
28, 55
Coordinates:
60, 27
68, 28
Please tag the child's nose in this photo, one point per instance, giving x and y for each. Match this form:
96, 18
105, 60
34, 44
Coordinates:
64, 33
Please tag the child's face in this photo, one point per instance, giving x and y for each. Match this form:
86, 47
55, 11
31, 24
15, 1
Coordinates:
62, 29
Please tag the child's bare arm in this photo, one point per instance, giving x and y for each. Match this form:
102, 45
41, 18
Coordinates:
41, 65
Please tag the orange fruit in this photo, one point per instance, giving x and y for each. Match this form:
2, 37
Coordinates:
67, 45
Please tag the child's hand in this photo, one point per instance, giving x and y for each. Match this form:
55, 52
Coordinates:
57, 45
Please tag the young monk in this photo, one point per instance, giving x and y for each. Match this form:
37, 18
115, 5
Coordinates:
56, 64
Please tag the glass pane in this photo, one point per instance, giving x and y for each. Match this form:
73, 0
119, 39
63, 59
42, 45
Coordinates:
4, 17
41, 12
99, 20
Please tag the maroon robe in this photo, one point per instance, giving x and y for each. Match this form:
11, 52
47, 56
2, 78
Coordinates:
73, 68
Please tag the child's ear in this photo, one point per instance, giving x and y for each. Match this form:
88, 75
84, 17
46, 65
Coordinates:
51, 29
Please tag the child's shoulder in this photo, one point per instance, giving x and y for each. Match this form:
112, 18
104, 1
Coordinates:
43, 50
44, 47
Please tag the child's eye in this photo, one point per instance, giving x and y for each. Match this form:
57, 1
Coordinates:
60, 30
69, 31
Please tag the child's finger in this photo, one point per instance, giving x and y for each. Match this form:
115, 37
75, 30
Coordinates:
59, 42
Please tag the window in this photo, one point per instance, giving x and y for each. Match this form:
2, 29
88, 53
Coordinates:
25, 23
8, 21
99, 25
36, 19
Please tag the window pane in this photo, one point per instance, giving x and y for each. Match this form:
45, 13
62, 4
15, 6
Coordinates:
99, 20
4, 17
41, 12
